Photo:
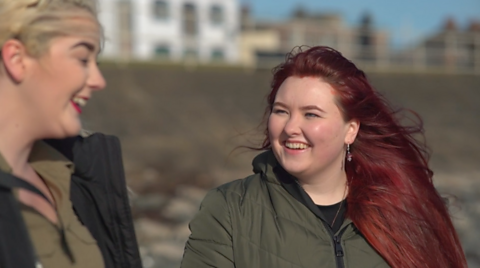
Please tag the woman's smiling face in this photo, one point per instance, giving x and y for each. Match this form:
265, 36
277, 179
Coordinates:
62, 80
306, 128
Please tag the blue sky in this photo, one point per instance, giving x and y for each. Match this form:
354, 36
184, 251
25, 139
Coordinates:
406, 20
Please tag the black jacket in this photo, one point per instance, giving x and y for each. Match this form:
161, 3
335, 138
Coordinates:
99, 197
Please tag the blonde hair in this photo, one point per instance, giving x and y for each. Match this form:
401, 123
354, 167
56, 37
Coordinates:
36, 22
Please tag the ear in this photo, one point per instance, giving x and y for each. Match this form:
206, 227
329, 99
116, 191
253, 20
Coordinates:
13, 59
352, 130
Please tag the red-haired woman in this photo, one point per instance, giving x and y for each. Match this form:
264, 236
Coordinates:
341, 184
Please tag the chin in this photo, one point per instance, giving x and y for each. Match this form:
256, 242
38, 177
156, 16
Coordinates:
72, 134
73, 131
63, 135
68, 130
293, 169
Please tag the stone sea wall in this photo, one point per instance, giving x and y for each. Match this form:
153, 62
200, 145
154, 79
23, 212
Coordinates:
181, 128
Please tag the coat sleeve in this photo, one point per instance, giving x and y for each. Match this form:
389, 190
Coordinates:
210, 242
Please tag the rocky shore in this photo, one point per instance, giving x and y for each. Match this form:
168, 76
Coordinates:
162, 241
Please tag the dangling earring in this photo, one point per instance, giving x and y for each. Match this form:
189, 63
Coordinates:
349, 154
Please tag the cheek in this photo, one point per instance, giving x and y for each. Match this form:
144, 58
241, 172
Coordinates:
325, 132
271, 125
275, 126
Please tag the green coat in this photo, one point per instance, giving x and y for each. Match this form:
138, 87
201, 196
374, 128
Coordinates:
256, 222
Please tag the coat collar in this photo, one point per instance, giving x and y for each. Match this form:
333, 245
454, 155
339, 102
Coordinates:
42, 156
267, 165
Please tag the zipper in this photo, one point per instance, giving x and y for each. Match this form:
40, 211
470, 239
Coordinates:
337, 241
337, 244
339, 249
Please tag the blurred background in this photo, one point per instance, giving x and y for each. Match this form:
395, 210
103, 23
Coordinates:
187, 81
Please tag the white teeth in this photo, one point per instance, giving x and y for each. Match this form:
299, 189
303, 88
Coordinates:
292, 145
80, 101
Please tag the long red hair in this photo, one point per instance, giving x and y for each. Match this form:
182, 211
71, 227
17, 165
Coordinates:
391, 200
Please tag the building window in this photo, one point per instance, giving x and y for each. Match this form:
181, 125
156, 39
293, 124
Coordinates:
162, 51
190, 22
365, 40
218, 54
160, 10
216, 15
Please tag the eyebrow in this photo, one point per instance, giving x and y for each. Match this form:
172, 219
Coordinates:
307, 107
277, 103
91, 47
312, 107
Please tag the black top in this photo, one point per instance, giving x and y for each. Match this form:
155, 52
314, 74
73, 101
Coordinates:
330, 211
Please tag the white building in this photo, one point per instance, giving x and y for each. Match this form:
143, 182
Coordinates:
203, 30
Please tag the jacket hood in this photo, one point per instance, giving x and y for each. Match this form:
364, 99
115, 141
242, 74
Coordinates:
267, 165
263, 162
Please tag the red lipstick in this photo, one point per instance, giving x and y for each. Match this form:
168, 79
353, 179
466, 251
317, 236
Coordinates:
79, 110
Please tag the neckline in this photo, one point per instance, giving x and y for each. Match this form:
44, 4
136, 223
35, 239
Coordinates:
332, 205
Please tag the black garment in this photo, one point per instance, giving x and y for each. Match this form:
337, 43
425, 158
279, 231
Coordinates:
99, 197
290, 184
16, 249
334, 214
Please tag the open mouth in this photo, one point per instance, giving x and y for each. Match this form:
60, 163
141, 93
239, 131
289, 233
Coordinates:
78, 103
296, 145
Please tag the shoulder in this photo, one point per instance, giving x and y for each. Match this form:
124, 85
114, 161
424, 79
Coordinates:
242, 187
221, 204
238, 193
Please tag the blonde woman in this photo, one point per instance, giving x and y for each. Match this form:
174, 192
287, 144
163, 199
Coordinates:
62, 201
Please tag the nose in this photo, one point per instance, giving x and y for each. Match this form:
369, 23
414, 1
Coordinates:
96, 81
292, 126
